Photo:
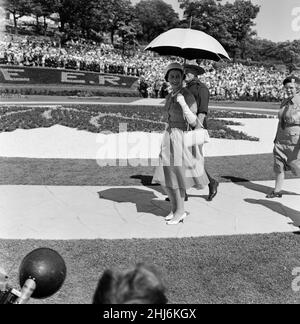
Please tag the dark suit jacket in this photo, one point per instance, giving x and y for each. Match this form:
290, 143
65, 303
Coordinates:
201, 93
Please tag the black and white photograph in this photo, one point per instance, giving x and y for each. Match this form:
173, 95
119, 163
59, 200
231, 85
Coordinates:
149, 154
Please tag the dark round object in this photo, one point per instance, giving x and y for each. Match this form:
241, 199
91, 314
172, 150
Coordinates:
47, 268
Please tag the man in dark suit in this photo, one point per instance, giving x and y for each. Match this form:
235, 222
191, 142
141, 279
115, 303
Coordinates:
201, 94
143, 87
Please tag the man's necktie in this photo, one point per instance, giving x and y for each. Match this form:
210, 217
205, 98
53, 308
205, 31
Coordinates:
283, 117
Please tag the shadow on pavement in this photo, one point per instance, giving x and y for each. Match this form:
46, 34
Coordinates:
147, 182
145, 200
256, 187
279, 208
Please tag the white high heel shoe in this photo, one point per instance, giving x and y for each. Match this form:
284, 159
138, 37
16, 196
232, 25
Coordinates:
169, 217
179, 220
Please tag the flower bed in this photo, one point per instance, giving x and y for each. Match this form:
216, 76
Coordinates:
102, 118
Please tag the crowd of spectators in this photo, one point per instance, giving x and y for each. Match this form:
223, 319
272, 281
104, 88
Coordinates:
75, 55
232, 81
243, 82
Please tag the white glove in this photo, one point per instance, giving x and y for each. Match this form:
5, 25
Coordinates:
188, 114
181, 100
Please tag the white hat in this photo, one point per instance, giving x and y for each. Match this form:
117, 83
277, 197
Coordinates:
173, 66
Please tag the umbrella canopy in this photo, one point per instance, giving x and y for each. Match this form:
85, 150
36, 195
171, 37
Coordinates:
189, 44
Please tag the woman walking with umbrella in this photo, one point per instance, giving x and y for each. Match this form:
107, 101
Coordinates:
181, 106
181, 167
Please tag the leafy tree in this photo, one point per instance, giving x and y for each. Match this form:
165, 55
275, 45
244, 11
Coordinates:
242, 15
231, 24
77, 17
42, 8
128, 33
47, 9
258, 49
290, 52
86, 17
267, 51
210, 17
18, 8
155, 17
68, 11
111, 14
36, 10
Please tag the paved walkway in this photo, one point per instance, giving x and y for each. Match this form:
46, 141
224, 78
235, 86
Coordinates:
39, 212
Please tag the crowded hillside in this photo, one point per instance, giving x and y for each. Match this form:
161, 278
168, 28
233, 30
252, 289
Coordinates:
93, 41
231, 81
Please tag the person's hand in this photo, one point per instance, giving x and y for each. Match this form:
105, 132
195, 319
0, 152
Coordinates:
201, 118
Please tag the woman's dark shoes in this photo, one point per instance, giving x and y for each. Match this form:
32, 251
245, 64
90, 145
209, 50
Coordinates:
274, 194
185, 199
213, 190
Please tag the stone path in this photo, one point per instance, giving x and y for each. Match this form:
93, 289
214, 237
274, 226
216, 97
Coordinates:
70, 212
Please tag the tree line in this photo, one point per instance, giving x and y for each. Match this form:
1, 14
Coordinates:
231, 23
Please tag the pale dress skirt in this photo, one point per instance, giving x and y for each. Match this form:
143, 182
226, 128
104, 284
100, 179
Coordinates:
180, 167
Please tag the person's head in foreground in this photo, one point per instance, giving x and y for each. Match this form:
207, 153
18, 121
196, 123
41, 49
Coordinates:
140, 285
174, 74
292, 85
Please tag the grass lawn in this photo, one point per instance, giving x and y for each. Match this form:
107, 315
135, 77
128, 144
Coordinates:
233, 269
57, 172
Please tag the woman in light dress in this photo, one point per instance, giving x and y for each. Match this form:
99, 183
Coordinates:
180, 167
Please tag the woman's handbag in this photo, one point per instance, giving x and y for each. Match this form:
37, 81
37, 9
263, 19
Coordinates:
198, 136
